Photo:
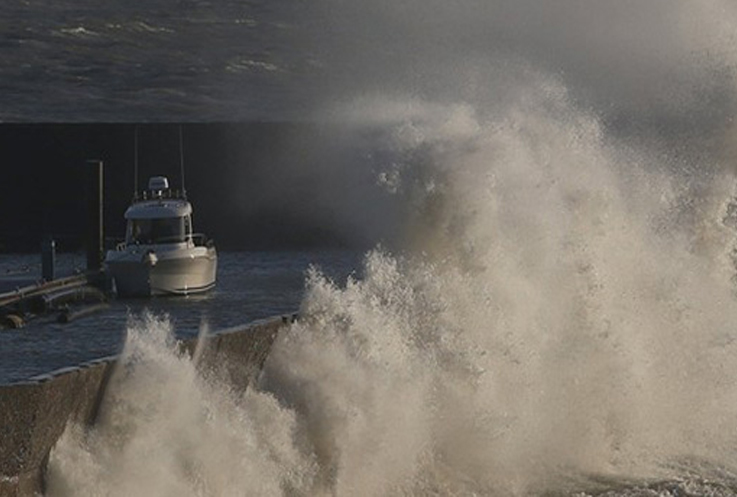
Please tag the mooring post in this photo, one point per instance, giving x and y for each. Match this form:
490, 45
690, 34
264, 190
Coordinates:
95, 241
48, 259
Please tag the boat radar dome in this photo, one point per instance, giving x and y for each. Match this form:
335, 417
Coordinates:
158, 183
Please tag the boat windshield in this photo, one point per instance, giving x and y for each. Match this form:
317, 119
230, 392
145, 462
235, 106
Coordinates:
164, 230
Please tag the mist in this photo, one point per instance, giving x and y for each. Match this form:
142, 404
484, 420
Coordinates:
658, 77
653, 60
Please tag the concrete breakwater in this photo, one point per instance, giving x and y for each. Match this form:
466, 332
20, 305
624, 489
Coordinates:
34, 414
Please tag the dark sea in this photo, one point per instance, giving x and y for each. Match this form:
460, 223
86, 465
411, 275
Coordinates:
549, 193
153, 61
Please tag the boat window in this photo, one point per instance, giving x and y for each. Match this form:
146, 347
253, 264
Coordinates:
147, 231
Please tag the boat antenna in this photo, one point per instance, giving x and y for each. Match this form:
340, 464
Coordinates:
181, 161
135, 163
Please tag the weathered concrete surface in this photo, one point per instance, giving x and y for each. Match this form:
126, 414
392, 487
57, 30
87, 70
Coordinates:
33, 415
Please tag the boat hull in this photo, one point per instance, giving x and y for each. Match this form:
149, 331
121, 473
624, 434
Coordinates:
182, 272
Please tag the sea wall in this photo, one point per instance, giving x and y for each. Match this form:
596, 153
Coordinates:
34, 414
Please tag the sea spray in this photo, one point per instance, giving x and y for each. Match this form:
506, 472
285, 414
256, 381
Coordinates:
563, 308
560, 306
167, 429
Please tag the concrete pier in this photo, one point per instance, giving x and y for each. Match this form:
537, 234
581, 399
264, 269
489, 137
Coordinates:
34, 414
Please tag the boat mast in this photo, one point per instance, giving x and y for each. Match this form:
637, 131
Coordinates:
135, 164
181, 161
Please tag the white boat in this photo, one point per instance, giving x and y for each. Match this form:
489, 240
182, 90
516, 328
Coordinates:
161, 255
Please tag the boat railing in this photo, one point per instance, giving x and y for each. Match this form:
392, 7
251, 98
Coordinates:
153, 241
200, 240
169, 194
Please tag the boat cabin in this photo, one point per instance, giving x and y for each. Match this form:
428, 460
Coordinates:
159, 216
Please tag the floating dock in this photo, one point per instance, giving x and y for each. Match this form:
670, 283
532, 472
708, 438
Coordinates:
63, 295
